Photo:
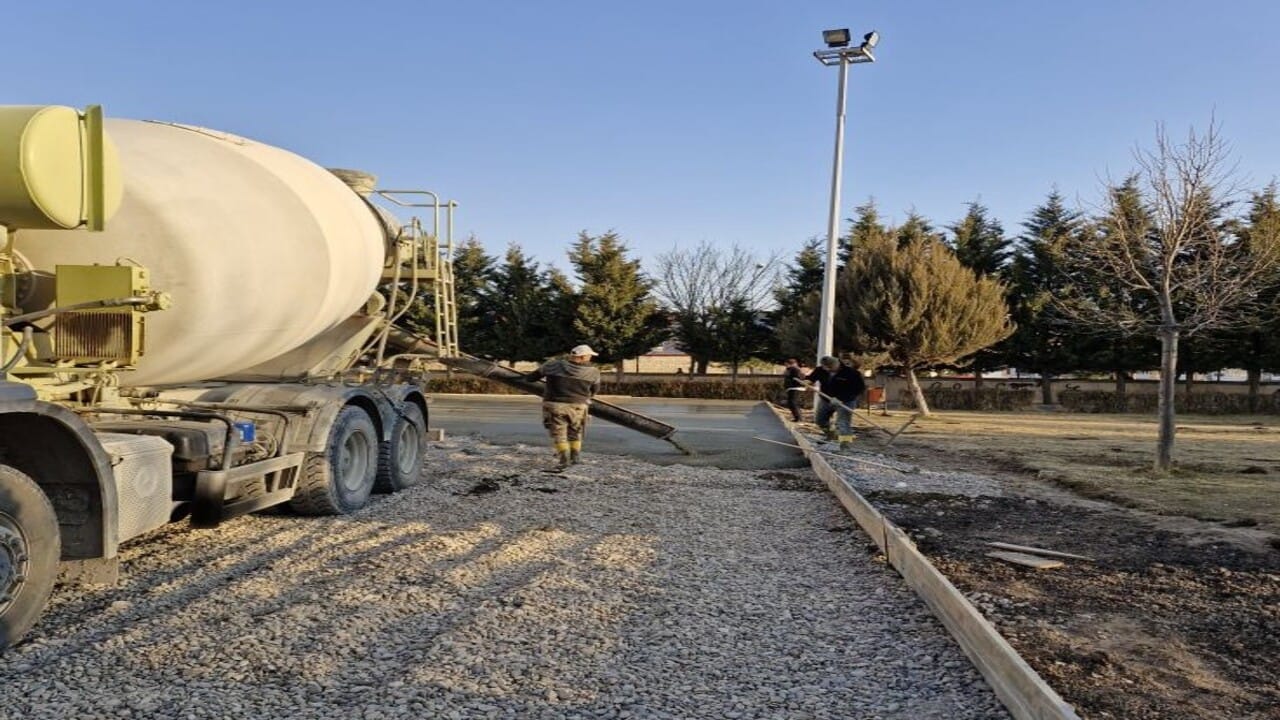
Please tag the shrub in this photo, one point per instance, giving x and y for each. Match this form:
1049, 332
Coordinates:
997, 398
1202, 403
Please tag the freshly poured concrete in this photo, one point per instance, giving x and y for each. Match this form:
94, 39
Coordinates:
718, 431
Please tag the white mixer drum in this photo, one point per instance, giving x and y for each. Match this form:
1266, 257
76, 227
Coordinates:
260, 249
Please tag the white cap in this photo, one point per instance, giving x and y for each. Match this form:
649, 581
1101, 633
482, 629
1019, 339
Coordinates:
583, 350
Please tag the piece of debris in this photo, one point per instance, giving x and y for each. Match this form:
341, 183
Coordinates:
1039, 551
486, 485
1030, 561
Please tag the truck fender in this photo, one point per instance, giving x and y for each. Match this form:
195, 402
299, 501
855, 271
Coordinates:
61, 454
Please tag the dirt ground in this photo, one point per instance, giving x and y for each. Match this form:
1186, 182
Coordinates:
1175, 617
1227, 467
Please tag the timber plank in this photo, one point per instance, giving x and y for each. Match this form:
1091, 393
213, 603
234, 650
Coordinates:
1030, 561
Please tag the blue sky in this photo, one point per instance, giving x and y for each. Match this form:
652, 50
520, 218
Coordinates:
676, 122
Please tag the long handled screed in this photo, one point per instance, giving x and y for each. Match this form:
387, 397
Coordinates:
893, 434
908, 470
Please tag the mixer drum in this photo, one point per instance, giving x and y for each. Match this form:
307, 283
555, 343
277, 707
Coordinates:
260, 249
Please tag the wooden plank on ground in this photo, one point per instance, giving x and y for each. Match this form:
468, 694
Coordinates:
1025, 560
1038, 551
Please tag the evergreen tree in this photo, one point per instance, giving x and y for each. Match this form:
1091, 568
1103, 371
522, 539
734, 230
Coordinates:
614, 310
865, 227
564, 298
1105, 347
1255, 347
741, 332
919, 306
916, 228
802, 279
796, 334
472, 281
518, 311
979, 242
1043, 342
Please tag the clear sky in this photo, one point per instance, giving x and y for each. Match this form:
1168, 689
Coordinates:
676, 121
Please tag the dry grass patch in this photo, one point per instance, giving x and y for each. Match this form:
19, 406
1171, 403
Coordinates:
1228, 467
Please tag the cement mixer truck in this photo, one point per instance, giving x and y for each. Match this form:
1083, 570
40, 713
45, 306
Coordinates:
193, 329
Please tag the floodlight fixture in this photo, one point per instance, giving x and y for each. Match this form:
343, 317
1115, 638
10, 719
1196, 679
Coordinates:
870, 40
836, 38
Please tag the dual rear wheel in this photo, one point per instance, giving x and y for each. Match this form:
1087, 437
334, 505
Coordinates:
355, 464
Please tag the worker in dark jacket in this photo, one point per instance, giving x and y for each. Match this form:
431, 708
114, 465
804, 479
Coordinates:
793, 385
844, 384
571, 383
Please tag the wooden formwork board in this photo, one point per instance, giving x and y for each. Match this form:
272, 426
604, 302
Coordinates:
1024, 693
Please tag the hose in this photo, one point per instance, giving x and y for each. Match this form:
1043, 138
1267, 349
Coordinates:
22, 351
91, 305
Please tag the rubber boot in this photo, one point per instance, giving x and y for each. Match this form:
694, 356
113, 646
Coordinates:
575, 457
831, 434
563, 459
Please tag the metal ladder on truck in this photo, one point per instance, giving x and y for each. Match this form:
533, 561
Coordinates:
435, 266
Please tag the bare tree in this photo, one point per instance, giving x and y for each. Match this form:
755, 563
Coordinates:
708, 289
1163, 259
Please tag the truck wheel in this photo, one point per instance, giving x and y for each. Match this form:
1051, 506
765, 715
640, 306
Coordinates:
400, 458
29, 553
338, 482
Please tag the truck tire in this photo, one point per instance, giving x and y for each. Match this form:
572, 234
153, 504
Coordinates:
400, 458
339, 480
30, 548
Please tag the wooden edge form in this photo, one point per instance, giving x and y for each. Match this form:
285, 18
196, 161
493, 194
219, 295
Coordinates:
1024, 693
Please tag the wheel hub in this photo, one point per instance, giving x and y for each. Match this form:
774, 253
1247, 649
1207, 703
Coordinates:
353, 461
13, 560
408, 446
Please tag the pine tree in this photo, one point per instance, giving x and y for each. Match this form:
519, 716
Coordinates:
916, 228
1255, 347
472, 281
802, 276
865, 227
979, 242
518, 311
741, 332
802, 280
1043, 343
919, 306
614, 310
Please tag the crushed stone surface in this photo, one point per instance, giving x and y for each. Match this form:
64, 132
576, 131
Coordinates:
617, 589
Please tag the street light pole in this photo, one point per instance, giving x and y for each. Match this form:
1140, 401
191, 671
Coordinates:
826, 325
837, 53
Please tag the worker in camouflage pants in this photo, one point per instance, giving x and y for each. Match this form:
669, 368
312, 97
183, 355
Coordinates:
571, 383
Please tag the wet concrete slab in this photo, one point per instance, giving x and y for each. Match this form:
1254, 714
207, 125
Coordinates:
719, 432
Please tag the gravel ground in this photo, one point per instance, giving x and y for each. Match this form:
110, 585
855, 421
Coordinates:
618, 589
